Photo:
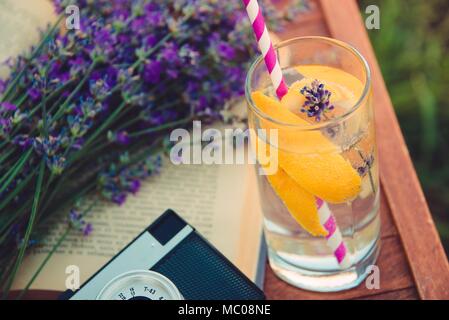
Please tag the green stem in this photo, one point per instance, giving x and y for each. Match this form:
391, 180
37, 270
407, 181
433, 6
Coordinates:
19, 212
39, 106
44, 263
19, 76
21, 100
7, 223
14, 193
71, 199
44, 108
6, 227
100, 145
128, 123
50, 254
153, 49
371, 179
160, 128
63, 107
29, 229
144, 155
105, 124
6, 155
12, 173
167, 105
52, 96
6, 268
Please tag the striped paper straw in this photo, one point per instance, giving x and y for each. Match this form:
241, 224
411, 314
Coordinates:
266, 46
334, 237
327, 219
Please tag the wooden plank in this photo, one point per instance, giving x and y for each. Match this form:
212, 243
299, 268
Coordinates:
309, 23
36, 295
409, 208
394, 275
404, 294
388, 228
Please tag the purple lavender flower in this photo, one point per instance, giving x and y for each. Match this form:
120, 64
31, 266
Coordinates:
5, 127
56, 164
74, 215
7, 106
103, 38
88, 229
48, 146
150, 40
34, 94
317, 100
79, 125
225, 50
20, 242
170, 53
2, 86
152, 72
367, 164
17, 117
23, 141
111, 76
119, 198
99, 89
122, 137
77, 222
172, 73
134, 186
155, 18
78, 65
138, 25
78, 144
62, 77
189, 55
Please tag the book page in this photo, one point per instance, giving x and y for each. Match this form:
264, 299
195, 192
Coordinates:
212, 198
28, 16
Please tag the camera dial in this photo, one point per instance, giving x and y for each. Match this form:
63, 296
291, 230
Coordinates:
140, 285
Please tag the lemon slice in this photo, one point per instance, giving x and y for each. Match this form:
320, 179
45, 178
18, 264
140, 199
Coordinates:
307, 157
300, 203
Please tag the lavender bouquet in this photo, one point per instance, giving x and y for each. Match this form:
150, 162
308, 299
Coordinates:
87, 111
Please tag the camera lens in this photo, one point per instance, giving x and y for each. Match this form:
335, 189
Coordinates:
140, 285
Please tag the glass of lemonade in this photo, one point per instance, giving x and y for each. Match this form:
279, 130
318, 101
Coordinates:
324, 148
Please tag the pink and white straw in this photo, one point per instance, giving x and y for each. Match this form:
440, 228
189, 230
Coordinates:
334, 238
266, 46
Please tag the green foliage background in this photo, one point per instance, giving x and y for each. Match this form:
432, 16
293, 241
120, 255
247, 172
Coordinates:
412, 47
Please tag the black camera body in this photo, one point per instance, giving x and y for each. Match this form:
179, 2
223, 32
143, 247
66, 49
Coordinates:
168, 260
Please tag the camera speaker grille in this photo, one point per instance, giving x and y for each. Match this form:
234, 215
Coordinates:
201, 272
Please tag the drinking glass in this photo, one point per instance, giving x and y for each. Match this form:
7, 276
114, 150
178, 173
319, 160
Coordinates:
325, 155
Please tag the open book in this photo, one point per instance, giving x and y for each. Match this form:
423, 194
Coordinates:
220, 201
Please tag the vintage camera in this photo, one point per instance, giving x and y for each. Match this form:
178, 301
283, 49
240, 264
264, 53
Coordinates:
168, 260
